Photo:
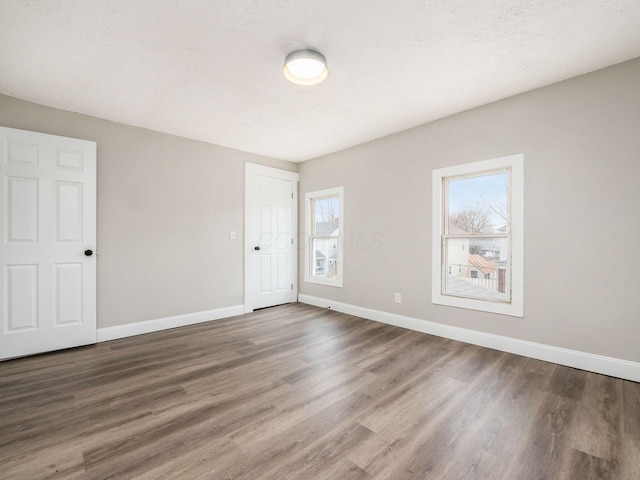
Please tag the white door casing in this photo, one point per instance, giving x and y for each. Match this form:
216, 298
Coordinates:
271, 272
48, 283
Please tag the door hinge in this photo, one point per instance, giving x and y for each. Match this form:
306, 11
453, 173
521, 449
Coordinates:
291, 195
292, 286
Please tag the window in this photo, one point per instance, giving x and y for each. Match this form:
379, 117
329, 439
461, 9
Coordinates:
478, 211
324, 211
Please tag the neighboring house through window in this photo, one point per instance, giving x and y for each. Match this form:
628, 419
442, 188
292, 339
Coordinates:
324, 212
478, 227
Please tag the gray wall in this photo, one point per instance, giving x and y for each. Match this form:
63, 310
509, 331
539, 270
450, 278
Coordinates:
166, 205
165, 208
581, 141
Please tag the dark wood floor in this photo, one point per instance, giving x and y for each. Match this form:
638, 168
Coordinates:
296, 392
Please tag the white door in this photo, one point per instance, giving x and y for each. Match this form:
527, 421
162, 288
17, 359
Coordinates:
270, 226
48, 238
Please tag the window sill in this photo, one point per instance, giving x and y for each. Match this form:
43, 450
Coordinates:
501, 308
323, 281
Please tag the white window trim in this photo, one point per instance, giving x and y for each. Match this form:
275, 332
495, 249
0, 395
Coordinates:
516, 307
337, 282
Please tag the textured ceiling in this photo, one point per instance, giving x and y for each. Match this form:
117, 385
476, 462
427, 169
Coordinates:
212, 70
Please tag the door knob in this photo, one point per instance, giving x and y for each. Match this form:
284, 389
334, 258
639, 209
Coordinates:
88, 253
256, 248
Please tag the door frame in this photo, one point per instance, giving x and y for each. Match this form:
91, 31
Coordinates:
257, 169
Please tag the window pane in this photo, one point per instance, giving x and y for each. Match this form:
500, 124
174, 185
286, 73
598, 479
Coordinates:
477, 267
325, 257
478, 204
326, 212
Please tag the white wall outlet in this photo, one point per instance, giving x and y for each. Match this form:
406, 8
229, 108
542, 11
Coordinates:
398, 298
232, 235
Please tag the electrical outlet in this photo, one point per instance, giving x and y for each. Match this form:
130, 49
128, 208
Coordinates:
398, 298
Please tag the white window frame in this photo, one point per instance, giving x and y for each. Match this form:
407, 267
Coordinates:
516, 196
318, 195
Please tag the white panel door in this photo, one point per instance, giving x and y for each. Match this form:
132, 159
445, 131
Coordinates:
48, 238
271, 222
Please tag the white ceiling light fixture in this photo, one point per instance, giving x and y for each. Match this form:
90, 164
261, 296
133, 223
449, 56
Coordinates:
305, 67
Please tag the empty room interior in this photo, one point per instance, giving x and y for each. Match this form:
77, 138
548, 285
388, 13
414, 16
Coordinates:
320, 240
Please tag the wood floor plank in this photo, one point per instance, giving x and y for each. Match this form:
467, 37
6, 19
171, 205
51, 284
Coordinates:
319, 456
203, 461
298, 392
499, 429
568, 382
596, 424
446, 426
588, 467
293, 441
398, 424
292, 414
343, 470
550, 435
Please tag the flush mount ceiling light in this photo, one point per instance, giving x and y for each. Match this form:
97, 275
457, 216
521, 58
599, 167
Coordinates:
305, 67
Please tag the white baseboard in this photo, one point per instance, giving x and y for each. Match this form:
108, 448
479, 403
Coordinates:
614, 367
148, 326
